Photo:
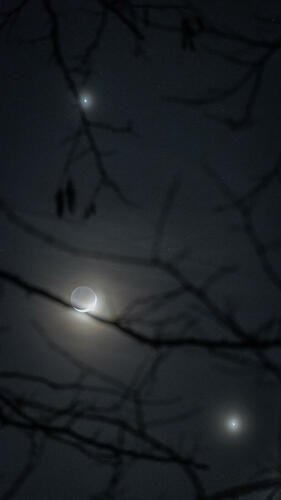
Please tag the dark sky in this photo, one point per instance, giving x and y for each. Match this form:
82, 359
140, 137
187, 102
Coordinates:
172, 141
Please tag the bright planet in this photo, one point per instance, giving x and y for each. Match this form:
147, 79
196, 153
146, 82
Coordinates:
86, 101
233, 424
83, 299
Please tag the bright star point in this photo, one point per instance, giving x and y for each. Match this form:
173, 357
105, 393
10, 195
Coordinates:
233, 424
86, 101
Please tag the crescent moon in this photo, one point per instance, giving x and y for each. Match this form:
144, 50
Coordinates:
83, 299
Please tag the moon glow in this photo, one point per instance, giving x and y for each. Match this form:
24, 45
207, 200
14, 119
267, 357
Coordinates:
83, 299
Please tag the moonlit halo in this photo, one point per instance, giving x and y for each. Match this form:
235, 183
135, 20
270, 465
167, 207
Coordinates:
83, 299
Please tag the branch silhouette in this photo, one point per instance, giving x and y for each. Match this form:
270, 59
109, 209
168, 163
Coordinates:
115, 423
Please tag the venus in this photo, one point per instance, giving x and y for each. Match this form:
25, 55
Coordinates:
233, 424
83, 299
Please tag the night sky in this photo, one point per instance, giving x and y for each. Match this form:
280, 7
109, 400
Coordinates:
176, 169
